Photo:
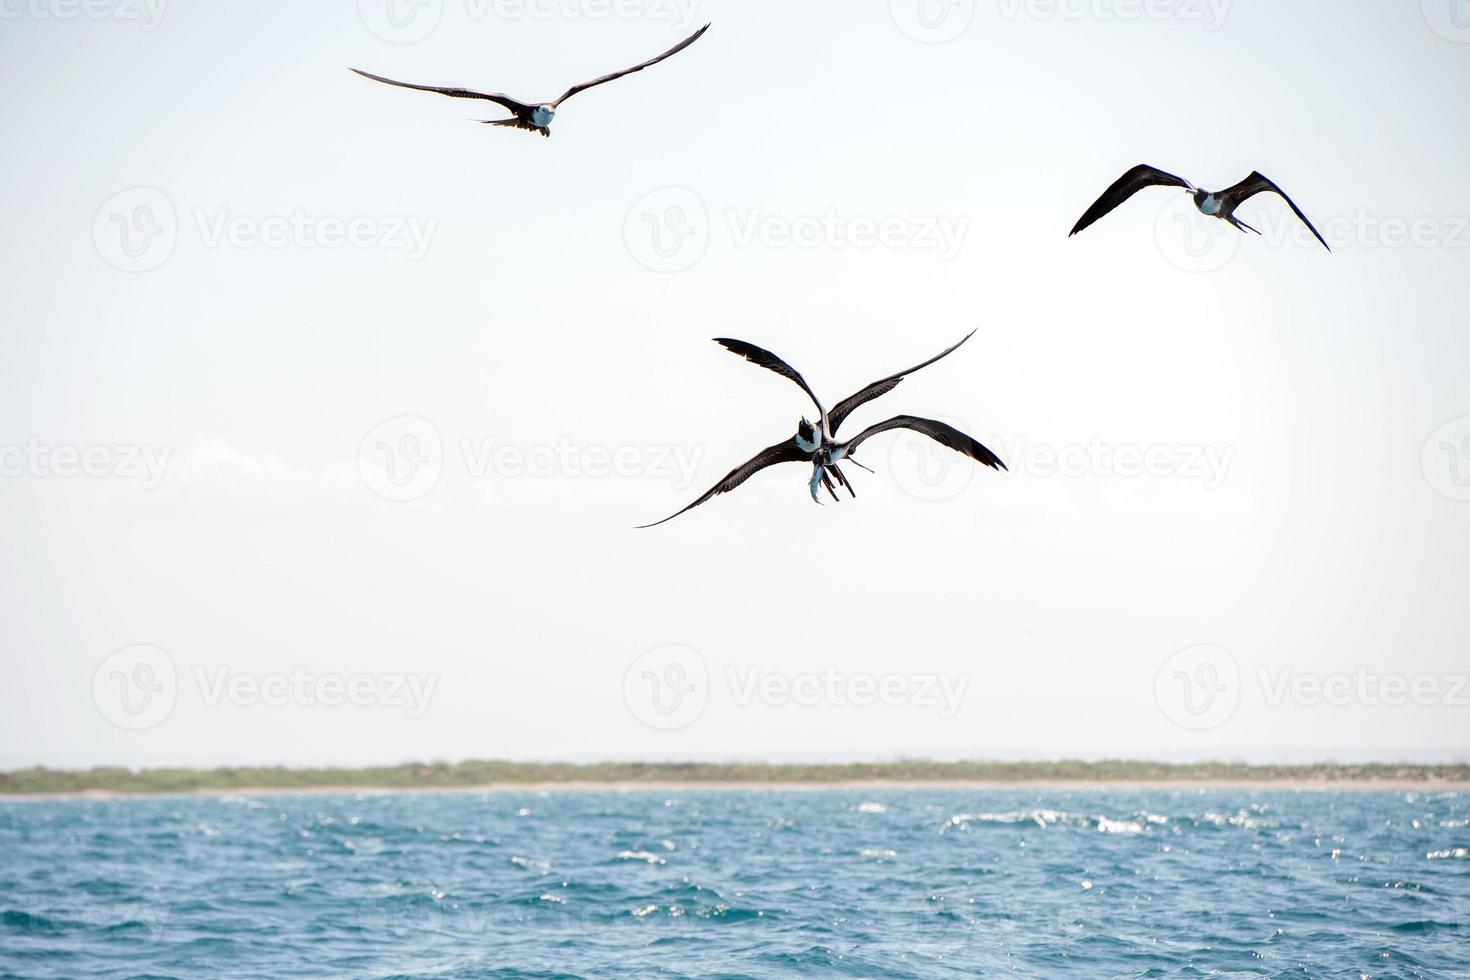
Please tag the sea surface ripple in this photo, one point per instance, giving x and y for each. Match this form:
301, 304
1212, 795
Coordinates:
729, 883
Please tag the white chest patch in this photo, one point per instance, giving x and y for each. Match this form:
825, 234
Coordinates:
1210, 205
542, 115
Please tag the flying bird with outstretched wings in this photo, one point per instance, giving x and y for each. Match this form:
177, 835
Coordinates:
534, 117
816, 443
1215, 204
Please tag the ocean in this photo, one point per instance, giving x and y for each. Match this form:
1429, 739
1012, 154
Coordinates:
730, 883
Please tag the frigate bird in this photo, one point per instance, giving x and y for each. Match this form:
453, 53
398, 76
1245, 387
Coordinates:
816, 442
1216, 204
534, 117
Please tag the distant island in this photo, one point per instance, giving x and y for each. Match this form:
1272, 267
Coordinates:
632, 775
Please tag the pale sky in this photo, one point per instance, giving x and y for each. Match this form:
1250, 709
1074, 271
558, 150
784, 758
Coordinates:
242, 281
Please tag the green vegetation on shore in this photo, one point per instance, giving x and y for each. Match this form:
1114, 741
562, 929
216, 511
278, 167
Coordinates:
462, 774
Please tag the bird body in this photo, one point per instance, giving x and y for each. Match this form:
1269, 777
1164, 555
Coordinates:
1215, 204
816, 444
532, 116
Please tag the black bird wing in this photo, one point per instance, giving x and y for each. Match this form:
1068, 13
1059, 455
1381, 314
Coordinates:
769, 361
514, 105
849, 404
628, 71
1257, 183
1125, 187
945, 435
783, 452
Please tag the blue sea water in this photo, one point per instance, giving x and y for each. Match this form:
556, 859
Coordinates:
723, 883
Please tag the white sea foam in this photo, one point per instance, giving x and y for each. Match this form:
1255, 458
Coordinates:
530, 864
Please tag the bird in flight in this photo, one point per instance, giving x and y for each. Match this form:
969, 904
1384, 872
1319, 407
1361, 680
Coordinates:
816, 442
534, 117
1216, 204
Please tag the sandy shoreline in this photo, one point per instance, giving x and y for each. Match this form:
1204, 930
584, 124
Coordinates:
876, 785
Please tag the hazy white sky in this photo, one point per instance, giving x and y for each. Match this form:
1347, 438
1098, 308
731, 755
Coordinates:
313, 391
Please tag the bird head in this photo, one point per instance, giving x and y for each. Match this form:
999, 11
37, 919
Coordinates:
808, 437
1207, 203
542, 115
